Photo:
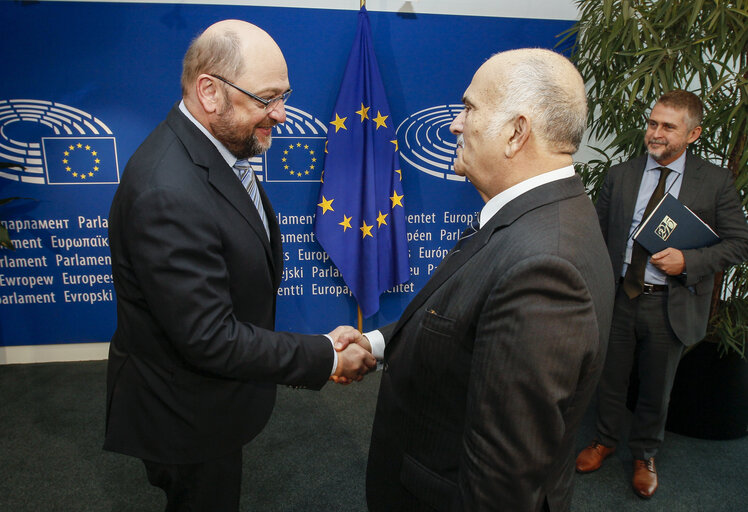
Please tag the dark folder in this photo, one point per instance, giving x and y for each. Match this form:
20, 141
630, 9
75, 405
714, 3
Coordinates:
673, 224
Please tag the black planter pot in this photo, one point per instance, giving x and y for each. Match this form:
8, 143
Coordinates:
710, 395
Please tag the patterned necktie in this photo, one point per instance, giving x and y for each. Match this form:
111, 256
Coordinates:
249, 180
633, 281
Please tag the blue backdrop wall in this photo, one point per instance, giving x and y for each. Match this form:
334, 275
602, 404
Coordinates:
84, 84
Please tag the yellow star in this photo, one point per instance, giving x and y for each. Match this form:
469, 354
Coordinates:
64, 160
311, 152
346, 222
290, 146
67, 169
382, 219
306, 146
79, 145
285, 166
71, 148
396, 199
400, 172
364, 112
314, 159
339, 122
306, 172
290, 172
95, 169
66, 153
90, 174
285, 151
311, 167
83, 176
366, 230
298, 174
298, 144
94, 153
75, 174
397, 148
284, 159
380, 120
97, 160
88, 148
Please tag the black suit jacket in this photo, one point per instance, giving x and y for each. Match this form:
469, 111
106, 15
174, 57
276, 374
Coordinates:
194, 362
489, 371
709, 191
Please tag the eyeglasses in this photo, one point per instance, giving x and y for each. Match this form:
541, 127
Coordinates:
268, 105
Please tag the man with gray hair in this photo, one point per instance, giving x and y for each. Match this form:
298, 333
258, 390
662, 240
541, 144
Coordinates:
489, 370
197, 261
662, 301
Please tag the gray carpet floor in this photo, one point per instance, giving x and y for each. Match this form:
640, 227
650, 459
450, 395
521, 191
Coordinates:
311, 456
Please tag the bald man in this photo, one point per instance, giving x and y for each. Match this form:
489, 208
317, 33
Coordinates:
197, 261
490, 368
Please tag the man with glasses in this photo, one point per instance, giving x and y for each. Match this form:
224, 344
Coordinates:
197, 261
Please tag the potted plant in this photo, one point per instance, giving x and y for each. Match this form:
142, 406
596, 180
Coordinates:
633, 52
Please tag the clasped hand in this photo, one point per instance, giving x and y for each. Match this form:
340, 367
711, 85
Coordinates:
354, 355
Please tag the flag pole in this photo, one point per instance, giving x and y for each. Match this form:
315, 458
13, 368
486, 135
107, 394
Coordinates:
363, 2
360, 320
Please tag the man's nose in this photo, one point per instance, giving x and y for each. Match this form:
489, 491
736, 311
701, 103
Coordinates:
457, 123
278, 113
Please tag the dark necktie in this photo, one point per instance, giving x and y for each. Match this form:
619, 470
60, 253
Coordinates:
466, 235
633, 281
249, 180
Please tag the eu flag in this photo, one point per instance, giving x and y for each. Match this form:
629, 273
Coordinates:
80, 160
360, 218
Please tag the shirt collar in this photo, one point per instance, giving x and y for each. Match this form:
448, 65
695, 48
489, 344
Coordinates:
497, 202
225, 153
677, 166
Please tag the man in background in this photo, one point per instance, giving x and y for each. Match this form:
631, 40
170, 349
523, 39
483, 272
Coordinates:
197, 261
662, 302
489, 370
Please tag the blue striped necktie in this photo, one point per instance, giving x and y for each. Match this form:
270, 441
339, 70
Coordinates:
249, 180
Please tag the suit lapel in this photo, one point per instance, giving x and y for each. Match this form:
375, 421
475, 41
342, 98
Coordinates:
222, 178
692, 181
545, 194
632, 180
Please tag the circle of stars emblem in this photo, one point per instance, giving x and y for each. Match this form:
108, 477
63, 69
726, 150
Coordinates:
81, 172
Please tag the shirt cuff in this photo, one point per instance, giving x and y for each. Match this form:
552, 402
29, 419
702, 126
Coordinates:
376, 340
335, 356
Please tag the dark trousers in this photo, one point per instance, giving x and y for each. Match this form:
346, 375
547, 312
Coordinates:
212, 486
640, 332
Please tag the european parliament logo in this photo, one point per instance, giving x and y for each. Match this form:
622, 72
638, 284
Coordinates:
55, 144
428, 145
298, 150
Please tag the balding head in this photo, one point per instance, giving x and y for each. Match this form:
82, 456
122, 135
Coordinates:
228, 48
543, 86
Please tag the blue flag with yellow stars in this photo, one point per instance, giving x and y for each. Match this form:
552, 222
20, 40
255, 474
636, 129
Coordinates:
360, 218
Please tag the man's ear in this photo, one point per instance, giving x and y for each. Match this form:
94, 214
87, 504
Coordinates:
695, 134
521, 133
208, 93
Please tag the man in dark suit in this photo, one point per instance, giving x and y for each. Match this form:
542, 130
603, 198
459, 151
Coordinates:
662, 305
489, 370
197, 260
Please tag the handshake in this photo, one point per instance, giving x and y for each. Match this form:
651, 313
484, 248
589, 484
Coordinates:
354, 355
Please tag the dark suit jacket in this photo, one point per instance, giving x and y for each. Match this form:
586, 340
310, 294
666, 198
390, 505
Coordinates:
490, 369
709, 191
194, 362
